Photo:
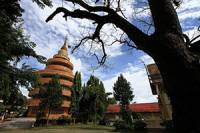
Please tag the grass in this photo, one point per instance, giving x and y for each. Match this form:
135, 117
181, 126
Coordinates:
89, 126
78, 126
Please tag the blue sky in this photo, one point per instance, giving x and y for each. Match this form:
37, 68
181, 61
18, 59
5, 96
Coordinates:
49, 37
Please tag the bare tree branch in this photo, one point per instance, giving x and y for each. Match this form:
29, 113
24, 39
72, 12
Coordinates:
119, 9
91, 8
95, 36
133, 32
78, 14
143, 9
97, 31
112, 17
194, 38
81, 42
103, 58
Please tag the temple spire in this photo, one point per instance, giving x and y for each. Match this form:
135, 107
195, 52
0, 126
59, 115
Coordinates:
65, 44
63, 51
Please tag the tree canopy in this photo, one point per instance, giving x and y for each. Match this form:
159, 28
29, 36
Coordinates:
14, 45
123, 91
93, 102
51, 95
124, 95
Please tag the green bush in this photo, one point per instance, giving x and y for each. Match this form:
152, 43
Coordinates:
139, 125
120, 124
63, 120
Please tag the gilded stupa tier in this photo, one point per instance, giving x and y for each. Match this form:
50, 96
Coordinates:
60, 64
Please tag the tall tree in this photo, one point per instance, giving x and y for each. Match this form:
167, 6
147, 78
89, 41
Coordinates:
93, 101
14, 45
174, 53
84, 105
51, 95
76, 95
122, 91
101, 102
98, 98
124, 94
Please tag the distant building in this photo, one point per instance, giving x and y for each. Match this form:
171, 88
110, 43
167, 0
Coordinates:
60, 64
149, 112
157, 88
152, 113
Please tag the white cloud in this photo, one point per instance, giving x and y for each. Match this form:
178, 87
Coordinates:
189, 9
146, 59
49, 37
136, 75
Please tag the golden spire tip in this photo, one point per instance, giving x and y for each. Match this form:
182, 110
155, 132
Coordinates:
65, 43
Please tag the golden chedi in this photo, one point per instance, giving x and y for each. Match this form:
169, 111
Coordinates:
60, 64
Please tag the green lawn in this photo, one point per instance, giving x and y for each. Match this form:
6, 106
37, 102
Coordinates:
72, 129
78, 126
64, 129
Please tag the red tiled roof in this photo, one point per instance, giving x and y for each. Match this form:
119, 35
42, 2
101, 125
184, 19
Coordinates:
136, 107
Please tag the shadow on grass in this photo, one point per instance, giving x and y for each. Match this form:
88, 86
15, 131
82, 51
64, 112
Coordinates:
90, 127
152, 130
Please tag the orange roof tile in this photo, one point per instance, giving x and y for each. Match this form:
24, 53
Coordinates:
136, 107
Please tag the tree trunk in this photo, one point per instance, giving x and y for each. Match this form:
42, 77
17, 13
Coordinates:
181, 76
74, 121
49, 112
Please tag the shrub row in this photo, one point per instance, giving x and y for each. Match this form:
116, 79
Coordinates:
60, 121
137, 125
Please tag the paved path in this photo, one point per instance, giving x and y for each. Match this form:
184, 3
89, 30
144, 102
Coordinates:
17, 123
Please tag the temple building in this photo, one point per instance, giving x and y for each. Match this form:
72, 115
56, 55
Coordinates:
149, 112
157, 88
60, 64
